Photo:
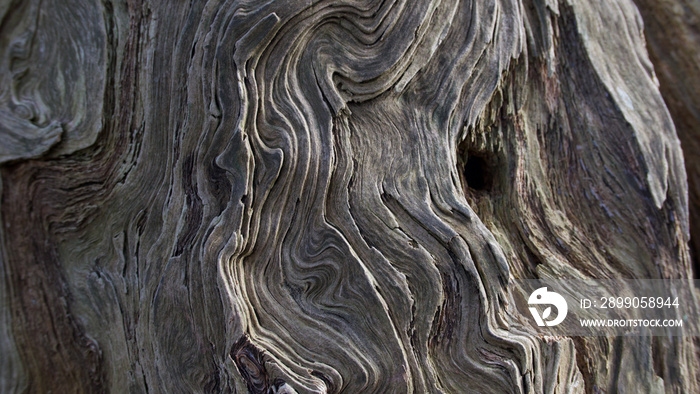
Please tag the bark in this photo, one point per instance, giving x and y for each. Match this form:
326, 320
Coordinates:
287, 196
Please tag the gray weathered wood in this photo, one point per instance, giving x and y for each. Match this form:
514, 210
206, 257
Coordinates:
333, 196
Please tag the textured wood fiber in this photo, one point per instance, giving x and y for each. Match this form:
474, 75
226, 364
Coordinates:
673, 38
333, 196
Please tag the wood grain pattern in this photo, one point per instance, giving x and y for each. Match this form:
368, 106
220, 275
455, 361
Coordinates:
331, 196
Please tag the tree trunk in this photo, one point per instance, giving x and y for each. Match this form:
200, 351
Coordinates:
279, 197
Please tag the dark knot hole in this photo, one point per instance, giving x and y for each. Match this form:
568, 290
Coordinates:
478, 173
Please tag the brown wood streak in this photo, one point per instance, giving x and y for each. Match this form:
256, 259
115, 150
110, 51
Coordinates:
672, 31
40, 207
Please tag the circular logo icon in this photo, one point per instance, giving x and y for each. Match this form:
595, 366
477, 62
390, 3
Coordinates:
543, 297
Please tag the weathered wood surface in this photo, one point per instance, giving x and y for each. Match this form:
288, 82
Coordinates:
241, 196
673, 39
